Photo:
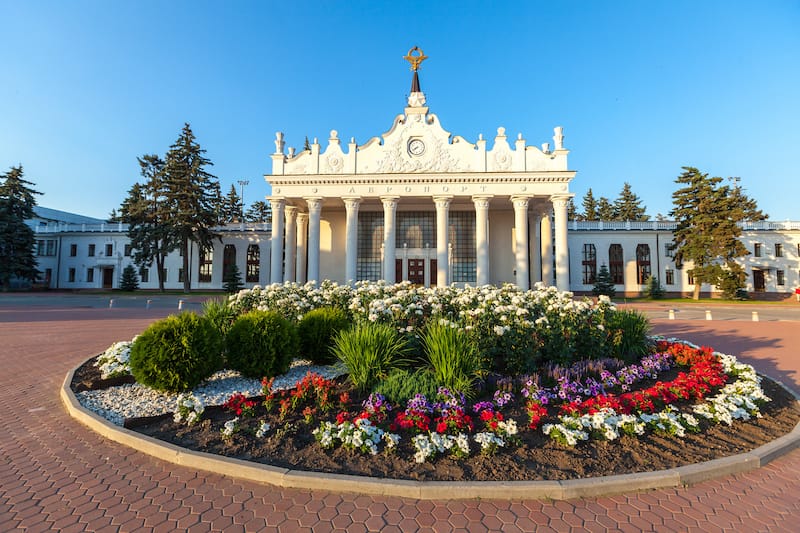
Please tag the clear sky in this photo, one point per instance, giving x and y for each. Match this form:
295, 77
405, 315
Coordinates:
641, 88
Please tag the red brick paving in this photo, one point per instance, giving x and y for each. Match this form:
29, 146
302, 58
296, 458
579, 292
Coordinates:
56, 474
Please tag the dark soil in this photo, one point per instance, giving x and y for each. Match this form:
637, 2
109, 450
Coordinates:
290, 444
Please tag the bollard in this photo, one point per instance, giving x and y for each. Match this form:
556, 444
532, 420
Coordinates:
180, 305
111, 303
708, 315
755, 316
672, 314
148, 304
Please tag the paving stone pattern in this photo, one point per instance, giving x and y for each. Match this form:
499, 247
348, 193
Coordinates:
57, 475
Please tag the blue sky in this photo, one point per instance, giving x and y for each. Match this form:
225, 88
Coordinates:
641, 88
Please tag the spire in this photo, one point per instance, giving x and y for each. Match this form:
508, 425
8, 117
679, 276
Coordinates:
416, 98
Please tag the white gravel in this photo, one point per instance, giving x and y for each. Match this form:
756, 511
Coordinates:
134, 400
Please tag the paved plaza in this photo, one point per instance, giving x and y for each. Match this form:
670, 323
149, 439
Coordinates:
58, 475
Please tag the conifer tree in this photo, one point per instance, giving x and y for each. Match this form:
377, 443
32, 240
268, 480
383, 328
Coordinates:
230, 207
259, 211
190, 192
233, 279
572, 213
628, 206
605, 211
17, 239
589, 206
129, 280
707, 234
603, 284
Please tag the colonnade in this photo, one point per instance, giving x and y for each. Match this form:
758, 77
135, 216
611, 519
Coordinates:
533, 240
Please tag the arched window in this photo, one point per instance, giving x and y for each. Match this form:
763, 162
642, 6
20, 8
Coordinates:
642, 263
205, 264
253, 263
616, 266
589, 264
228, 260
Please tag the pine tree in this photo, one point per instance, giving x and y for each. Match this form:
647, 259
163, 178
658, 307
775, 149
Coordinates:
589, 206
190, 192
603, 284
628, 206
17, 239
605, 211
572, 213
708, 231
259, 211
230, 207
130, 280
233, 279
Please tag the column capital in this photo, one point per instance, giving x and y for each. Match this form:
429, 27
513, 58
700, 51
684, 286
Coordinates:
276, 201
314, 203
520, 202
442, 201
560, 201
302, 218
389, 199
351, 201
291, 212
482, 201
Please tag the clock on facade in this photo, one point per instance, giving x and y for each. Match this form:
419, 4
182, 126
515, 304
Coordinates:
416, 147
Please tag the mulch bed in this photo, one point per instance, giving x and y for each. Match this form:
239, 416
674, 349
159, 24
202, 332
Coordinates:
290, 444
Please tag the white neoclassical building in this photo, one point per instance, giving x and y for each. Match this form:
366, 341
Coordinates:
419, 204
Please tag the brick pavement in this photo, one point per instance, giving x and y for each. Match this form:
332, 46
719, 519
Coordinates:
57, 475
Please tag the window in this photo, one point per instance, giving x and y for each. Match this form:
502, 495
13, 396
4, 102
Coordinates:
670, 275
253, 263
91, 250
228, 260
109, 250
206, 264
589, 264
462, 239
778, 249
691, 277
642, 263
128, 250
616, 266
669, 249
780, 275
89, 275
45, 247
757, 249
370, 239
73, 250
180, 275
71, 277
144, 274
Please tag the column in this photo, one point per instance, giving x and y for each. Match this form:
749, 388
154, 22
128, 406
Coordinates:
547, 247
442, 240
276, 238
291, 243
302, 247
314, 210
351, 243
562, 250
521, 232
535, 247
482, 239
389, 211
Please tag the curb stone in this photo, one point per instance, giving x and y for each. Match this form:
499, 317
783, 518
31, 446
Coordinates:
433, 490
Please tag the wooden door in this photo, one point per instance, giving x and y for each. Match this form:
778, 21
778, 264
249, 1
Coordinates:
416, 271
434, 272
759, 283
108, 278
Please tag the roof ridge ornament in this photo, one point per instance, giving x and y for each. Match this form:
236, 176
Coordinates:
416, 98
415, 60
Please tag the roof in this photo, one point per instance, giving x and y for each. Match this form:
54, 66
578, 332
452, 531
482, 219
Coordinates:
54, 215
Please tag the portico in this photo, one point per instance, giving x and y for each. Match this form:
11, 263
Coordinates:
421, 205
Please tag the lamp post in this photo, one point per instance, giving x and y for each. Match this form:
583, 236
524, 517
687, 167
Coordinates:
242, 183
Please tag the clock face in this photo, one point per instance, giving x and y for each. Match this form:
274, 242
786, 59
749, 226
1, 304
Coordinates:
416, 147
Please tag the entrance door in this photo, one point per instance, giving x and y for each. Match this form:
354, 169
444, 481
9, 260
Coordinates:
398, 270
758, 281
416, 271
108, 278
434, 272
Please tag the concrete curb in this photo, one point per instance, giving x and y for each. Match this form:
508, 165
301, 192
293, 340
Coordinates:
432, 490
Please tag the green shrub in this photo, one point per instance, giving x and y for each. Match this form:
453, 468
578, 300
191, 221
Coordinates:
177, 353
653, 288
453, 355
317, 330
221, 315
628, 332
401, 385
261, 344
370, 351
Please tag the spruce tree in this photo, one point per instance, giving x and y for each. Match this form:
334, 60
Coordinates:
230, 207
707, 233
190, 193
259, 211
628, 206
589, 206
605, 211
17, 239
603, 284
653, 288
572, 213
233, 279
130, 280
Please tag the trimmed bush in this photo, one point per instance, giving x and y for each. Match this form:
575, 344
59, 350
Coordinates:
221, 315
370, 351
401, 385
628, 334
317, 330
261, 344
453, 355
177, 353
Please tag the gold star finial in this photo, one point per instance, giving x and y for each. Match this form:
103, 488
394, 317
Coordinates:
415, 60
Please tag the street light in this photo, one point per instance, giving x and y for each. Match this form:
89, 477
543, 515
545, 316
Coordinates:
242, 183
